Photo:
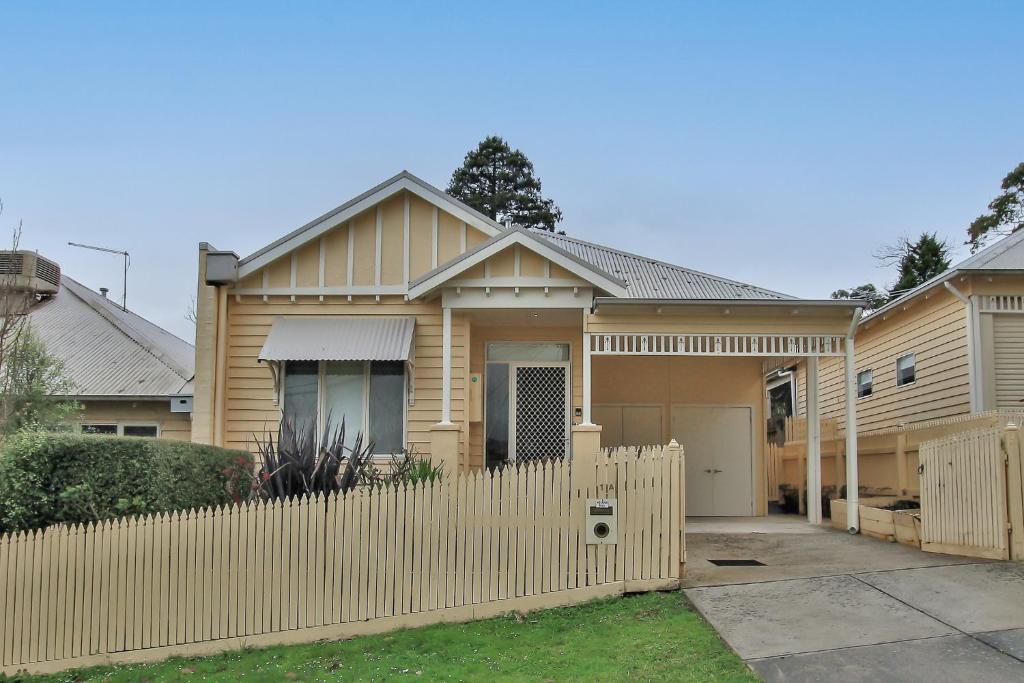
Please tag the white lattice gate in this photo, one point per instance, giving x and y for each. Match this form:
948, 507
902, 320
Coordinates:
540, 411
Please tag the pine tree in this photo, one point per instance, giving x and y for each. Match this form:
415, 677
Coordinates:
918, 262
499, 182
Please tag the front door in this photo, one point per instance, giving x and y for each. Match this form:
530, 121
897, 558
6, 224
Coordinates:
526, 408
718, 449
540, 411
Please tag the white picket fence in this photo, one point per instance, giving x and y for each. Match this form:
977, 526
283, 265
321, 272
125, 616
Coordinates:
465, 547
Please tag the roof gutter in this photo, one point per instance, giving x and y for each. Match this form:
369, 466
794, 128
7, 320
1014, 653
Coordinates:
818, 303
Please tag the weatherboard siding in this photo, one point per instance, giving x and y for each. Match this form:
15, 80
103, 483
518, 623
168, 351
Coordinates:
935, 330
172, 425
250, 409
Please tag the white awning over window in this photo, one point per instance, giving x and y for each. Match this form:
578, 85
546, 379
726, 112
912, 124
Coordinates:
339, 338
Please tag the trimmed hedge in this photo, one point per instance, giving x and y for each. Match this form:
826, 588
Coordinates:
48, 478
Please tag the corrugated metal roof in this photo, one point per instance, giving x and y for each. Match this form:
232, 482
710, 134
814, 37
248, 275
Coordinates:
341, 338
110, 352
647, 278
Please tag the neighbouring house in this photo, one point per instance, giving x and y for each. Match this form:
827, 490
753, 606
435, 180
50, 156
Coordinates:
132, 377
950, 347
429, 326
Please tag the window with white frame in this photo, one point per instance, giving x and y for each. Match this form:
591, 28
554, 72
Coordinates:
368, 395
906, 369
121, 429
106, 428
864, 383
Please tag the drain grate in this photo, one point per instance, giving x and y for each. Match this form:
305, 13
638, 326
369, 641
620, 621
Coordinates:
737, 563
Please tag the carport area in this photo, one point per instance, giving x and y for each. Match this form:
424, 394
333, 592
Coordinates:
824, 605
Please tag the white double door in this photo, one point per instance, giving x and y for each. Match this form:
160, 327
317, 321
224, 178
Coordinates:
719, 450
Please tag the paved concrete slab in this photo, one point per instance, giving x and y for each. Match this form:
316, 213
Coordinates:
804, 615
949, 659
1008, 642
972, 598
819, 552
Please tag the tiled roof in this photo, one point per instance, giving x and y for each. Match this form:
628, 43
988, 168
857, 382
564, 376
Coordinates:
110, 352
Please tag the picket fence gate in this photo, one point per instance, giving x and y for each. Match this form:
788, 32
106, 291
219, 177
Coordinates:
972, 490
465, 547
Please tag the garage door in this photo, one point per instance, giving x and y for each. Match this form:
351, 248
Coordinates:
1008, 337
719, 451
629, 424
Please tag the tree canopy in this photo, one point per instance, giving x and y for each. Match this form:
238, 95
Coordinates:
1005, 212
917, 262
872, 297
499, 182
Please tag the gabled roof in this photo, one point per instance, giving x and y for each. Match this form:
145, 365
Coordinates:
355, 206
642, 277
1006, 255
647, 278
529, 239
108, 352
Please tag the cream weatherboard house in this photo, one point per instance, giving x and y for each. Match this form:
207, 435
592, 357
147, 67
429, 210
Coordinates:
952, 347
431, 327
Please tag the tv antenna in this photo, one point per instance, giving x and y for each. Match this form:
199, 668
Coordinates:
127, 260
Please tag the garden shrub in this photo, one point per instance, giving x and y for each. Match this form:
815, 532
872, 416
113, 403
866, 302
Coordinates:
50, 478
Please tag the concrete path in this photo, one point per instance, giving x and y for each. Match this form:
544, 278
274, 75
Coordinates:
827, 606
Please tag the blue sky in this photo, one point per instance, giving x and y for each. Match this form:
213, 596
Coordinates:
774, 143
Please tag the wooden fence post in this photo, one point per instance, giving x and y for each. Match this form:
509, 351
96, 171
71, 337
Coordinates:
675, 454
1014, 491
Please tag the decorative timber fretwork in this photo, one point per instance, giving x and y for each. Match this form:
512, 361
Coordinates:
1001, 303
649, 344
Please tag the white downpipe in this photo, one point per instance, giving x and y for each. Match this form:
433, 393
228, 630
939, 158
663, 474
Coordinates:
586, 378
852, 482
446, 366
813, 443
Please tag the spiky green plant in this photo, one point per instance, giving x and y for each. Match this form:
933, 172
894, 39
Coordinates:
302, 462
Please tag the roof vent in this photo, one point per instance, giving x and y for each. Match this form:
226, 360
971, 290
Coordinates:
27, 271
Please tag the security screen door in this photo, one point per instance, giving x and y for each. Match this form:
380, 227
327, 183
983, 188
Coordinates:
541, 412
527, 402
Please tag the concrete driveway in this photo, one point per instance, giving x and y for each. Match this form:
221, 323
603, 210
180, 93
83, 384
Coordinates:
827, 606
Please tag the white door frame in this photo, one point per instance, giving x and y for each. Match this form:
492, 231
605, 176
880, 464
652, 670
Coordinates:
753, 458
513, 366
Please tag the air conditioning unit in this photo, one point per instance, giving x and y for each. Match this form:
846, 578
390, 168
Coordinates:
181, 404
27, 271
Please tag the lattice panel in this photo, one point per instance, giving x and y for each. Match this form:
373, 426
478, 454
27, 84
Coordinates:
541, 416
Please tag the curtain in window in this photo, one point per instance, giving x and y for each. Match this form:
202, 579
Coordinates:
300, 391
344, 390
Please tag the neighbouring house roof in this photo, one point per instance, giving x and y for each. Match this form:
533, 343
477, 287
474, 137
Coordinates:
648, 278
108, 352
338, 338
1006, 255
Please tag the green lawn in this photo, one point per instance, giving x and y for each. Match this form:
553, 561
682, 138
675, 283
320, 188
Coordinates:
651, 637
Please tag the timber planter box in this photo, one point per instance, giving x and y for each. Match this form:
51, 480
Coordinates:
877, 522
